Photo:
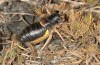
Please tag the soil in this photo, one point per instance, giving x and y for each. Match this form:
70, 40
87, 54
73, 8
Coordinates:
77, 43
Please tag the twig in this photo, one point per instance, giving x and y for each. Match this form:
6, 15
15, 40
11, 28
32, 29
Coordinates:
94, 9
60, 35
21, 13
32, 50
74, 2
21, 47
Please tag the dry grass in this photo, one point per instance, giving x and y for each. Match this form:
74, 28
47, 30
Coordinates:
79, 30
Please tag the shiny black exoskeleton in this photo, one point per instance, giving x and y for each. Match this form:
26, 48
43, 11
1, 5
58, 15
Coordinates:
38, 29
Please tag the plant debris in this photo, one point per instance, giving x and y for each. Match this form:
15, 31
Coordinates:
76, 41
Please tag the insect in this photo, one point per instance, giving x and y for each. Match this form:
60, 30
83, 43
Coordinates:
38, 31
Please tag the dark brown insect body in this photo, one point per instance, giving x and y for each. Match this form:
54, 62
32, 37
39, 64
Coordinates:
39, 29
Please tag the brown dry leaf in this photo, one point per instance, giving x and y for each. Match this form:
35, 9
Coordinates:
65, 28
39, 11
60, 7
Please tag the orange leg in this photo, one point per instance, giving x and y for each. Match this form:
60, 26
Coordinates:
46, 43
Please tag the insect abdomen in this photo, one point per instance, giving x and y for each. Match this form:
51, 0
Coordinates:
32, 32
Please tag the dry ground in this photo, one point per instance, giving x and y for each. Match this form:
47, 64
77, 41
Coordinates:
75, 42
